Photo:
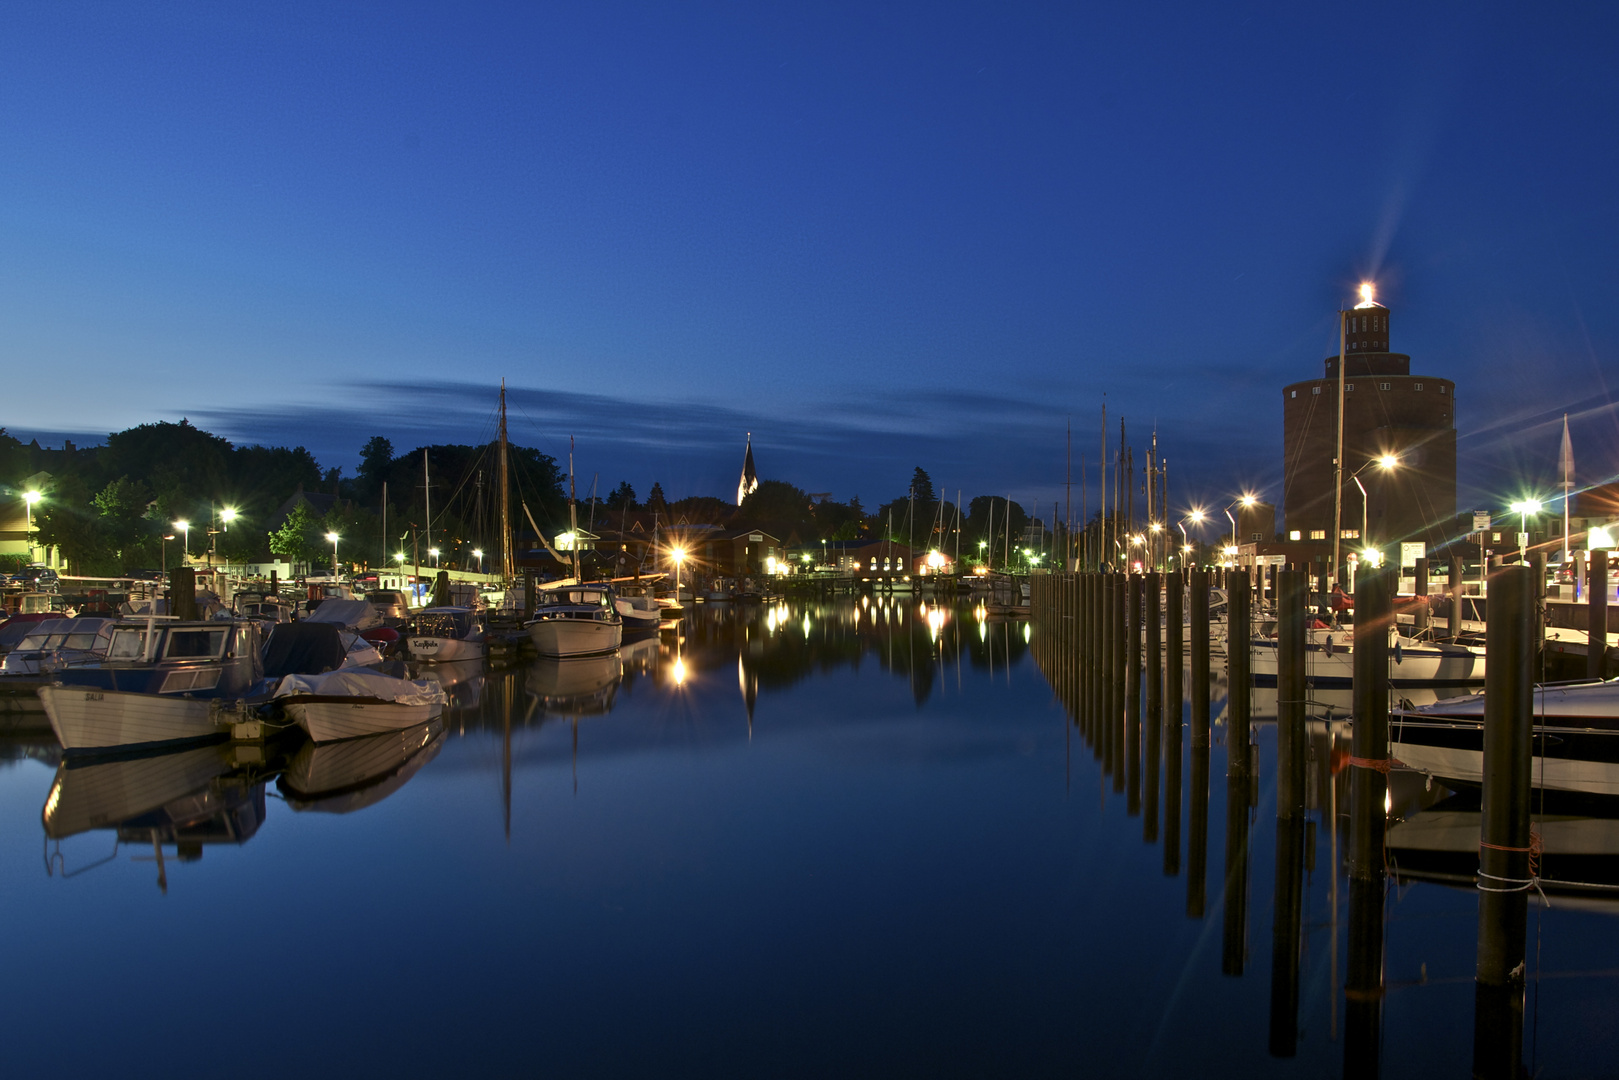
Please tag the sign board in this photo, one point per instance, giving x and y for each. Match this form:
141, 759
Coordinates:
1410, 552
1481, 521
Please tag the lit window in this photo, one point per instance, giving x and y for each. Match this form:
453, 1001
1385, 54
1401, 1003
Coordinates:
1349, 386
1318, 534
1495, 538
1295, 535
1292, 393
1350, 534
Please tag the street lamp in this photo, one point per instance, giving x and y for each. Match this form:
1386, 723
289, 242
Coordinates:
29, 498
1246, 501
1156, 527
1523, 509
331, 536
185, 527
434, 552
1386, 462
164, 547
679, 555
479, 552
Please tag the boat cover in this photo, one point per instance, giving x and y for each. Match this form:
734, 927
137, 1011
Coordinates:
353, 614
362, 683
303, 648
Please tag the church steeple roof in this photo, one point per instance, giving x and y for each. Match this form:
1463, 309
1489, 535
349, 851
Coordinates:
750, 476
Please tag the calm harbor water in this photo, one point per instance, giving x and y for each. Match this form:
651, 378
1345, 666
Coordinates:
795, 840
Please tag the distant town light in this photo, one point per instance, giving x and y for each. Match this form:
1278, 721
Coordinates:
332, 537
1526, 506
1372, 557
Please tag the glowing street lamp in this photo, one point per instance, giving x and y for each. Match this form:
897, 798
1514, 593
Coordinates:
1245, 501
29, 498
332, 538
434, 552
185, 528
679, 556
1386, 462
1523, 509
479, 552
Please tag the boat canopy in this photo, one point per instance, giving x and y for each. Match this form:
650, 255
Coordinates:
362, 683
303, 648
68, 634
341, 611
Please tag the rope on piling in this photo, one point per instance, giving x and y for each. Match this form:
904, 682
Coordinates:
1382, 765
1512, 885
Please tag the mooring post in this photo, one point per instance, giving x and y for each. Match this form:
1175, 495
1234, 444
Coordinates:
1170, 718
1363, 982
1505, 872
1419, 616
1596, 589
1292, 629
1239, 685
1458, 590
183, 592
275, 586
1374, 614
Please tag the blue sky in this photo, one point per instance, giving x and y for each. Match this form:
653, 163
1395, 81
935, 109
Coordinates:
876, 236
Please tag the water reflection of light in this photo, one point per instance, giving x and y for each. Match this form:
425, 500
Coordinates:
935, 622
1025, 633
680, 671
983, 630
806, 626
980, 612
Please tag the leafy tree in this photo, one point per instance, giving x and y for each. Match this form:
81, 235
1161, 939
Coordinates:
297, 541
127, 531
985, 511
68, 520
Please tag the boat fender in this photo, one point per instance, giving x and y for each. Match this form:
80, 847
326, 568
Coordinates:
1398, 658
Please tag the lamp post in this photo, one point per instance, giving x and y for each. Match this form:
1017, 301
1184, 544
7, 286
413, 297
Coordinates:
1523, 508
184, 527
1387, 462
399, 561
433, 551
1156, 528
332, 537
1245, 502
29, 498
164, 548
679, 556
479, 552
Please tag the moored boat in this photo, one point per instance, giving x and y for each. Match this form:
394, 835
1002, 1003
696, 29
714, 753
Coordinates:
341, 777
352, 702
580, 620
438, 634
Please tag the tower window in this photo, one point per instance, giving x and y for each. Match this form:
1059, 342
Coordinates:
1348, 387
1315, 389
1441, 389
1292, 393
1416, 386
1384, 386
1318, 534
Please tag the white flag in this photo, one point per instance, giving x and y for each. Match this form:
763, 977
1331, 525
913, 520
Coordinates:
1567, 457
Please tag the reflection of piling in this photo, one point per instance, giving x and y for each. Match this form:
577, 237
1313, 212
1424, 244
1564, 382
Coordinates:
1239, 689
1153, 708
1115, 720
1111, 706
1092, 646
1200, 658
1368, 820
1174, 596
1234, 939
1197, 841
1288, 907
1596, 650
1505, 868
1292, 601
1132, 695
1363, 984
1458, 589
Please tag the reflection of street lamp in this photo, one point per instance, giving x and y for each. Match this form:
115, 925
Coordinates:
333, 538
1523, 509
29, 498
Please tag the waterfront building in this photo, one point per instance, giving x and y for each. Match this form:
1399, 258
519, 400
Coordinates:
1388, 412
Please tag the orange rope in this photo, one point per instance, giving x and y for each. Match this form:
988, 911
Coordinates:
1382, 765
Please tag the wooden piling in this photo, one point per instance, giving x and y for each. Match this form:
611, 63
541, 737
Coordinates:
1132, 694
1368, 783
1200, 658
1170, 718
1291, 746
1239, 682
183, 592
1420, 589
1152, 721
1287, 907
1458, 590
1596, 598
1121, 652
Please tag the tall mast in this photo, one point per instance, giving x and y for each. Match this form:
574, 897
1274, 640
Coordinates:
1068, 511
508, 564
573, 512
427, 498
1338, 458
1101, 499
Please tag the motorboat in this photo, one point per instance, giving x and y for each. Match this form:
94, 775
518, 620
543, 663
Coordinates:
268, 606
1575, 741
640, 611
1413, 662
51, 644
351, 702
579, 620
438, 634
342, 777
162, 681
354, 620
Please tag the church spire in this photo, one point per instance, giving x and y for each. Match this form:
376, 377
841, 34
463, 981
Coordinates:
750, 477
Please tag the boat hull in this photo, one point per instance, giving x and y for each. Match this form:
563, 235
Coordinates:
87, 719
575, 637
1413, 666
334, 719
442, 649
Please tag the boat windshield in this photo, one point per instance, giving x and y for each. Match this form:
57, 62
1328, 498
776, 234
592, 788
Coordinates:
129, 644
576, 597
446, 624
191, 644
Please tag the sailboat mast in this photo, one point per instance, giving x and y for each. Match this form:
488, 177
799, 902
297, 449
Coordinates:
573, 512
1338, 457
508, 564
1101, 499
427, 498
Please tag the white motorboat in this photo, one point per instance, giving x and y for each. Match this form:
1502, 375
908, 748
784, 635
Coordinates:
1330, 660
161, 681
1575, 741
50, 645
639, 610
351, 702
580, 620
439, 634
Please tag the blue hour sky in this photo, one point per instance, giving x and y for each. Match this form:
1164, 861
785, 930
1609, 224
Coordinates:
876, 236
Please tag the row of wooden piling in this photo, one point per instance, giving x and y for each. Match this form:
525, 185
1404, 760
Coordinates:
1101, 636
